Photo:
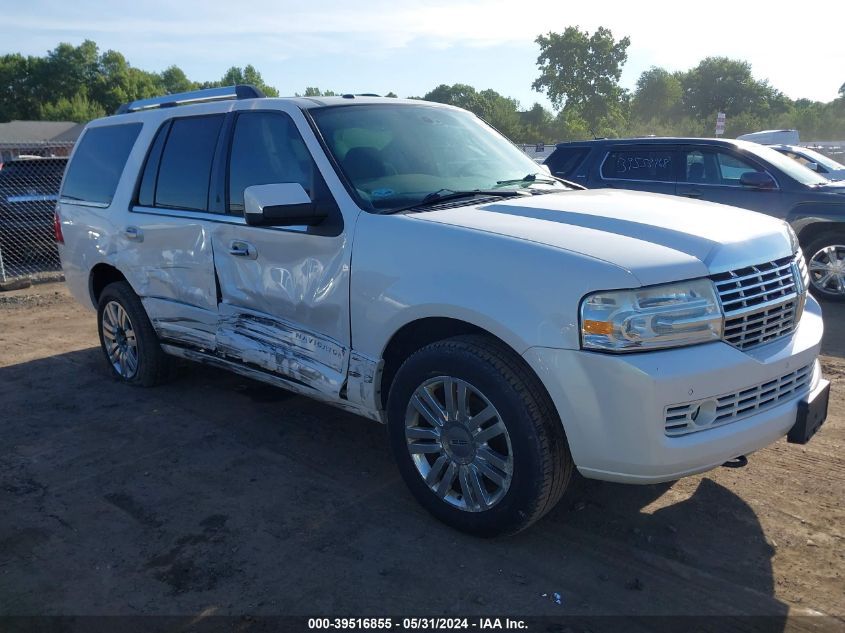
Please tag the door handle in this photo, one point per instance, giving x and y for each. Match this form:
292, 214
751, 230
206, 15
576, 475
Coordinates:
237, 248
134, 233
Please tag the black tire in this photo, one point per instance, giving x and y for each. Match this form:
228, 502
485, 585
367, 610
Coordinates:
542, 465
828, 238
152, 363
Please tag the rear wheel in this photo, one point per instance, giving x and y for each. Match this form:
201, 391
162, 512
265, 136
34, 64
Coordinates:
826, 265
475, 436
128, 339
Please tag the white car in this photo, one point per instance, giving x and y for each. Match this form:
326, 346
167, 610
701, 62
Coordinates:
403, 261
813, 160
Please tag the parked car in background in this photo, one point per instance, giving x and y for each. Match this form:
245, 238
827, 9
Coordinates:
733, 172
813, 160
403, 261
29, 189
771, 137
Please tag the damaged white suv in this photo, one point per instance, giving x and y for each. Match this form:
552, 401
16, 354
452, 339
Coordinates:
403, 261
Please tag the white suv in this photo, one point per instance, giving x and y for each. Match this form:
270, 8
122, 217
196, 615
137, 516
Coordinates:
403, 261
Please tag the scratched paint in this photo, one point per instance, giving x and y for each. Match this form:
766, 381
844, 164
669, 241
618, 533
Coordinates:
282, 347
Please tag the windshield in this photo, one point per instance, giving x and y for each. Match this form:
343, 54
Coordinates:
789, 166
394, 155
821, 159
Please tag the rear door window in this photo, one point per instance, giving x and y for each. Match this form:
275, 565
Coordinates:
639, 164
701, 167
98, 162
184, 172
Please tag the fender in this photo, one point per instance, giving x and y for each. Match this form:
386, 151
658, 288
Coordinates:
803, 215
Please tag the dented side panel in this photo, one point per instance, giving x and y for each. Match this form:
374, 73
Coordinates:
182, 324
281, 347
364, 383
287, 309
171, 261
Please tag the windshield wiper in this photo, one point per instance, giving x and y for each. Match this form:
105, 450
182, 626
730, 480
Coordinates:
529, 178
539, 177
443, 195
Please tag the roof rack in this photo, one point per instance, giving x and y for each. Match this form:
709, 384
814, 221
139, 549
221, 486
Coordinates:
349, 95
195, 96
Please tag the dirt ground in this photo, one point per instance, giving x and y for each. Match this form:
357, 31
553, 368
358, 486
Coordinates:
216, 494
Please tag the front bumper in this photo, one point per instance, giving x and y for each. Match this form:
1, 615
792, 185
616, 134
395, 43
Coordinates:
613, 407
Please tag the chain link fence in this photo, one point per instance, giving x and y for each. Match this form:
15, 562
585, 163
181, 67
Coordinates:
29, 189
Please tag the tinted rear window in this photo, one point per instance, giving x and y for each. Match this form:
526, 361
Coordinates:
639, 164
185, 170
565, 160
98, 162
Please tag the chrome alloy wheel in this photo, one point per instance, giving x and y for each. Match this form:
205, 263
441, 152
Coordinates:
459, 443
119, 339
827, 269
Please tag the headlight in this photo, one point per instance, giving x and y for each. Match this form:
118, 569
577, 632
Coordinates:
671, 315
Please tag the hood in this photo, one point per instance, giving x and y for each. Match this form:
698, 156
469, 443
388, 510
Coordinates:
836, 184
657, 238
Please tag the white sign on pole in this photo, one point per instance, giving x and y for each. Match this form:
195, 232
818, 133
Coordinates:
720, 123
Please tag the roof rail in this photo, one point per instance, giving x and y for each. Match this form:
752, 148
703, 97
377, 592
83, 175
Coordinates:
349, 95
195, 96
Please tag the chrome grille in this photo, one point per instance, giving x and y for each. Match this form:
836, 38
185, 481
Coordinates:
760, 302
707, 414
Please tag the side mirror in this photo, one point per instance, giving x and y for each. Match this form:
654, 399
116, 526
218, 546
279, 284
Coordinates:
282, 204
757, 180
813, 166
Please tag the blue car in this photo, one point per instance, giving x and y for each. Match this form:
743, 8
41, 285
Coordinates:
731, 172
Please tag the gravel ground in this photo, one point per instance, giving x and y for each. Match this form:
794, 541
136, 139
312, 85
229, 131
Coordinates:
220, 495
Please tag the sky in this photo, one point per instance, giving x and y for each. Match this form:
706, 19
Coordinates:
409, 47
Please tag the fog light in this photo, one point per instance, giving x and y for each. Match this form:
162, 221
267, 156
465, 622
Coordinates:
705, 413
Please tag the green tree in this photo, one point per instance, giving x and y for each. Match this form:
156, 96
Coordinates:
312, 91
499, 111
17, 90
502, 113
118, 82
77, 82
658, 95
537, 124
246, 75
721, 84
174, 80
79, 109
580, 72
460, 95
392, 95
66, 70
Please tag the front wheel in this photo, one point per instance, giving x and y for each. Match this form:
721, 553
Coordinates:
475, 436
128, 339
826, 265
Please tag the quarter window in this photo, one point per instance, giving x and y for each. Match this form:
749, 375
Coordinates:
655, 165
267, 149
565, 160
184, 172
98, 162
